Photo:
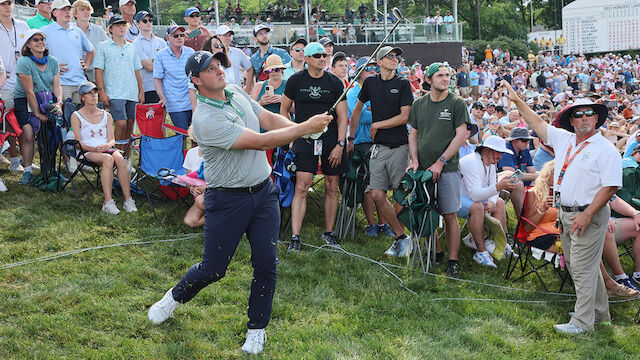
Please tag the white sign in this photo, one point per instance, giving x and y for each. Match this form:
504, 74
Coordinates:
594, 26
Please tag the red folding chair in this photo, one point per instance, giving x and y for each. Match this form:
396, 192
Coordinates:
151, 121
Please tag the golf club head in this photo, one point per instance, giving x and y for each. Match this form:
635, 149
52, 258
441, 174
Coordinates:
397, 14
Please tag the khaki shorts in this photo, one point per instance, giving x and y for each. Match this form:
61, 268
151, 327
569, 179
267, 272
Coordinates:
70, 91
618, 232
475, 90
7, 96
388, 167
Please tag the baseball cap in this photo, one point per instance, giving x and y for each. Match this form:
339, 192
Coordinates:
302, 41
260, 27
434, 68
173, 28
314, 48
339, 56
191, 10
141, 14
386, 50
125, 2
87, 88
363, 61
200, 60
223, 29
476, 105
116, 19
60, 4
325, 40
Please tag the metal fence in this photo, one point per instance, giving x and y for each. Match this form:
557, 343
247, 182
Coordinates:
283, 34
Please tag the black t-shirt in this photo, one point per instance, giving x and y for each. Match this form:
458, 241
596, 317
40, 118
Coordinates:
541, 81
387, 97
314, 96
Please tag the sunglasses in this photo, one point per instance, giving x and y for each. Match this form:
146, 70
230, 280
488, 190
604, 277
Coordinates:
37, 39
217, 46
579, 114
493, 123
370, 68
273, 70
392, 56
145, 20
194, 15
178, 35
318, 56
298, 49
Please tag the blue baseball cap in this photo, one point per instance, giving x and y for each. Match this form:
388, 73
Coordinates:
141, 14
173, 28
191, 10
364, 61
314, 48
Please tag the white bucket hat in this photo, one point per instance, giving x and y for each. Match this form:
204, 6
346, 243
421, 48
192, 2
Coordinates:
496, 143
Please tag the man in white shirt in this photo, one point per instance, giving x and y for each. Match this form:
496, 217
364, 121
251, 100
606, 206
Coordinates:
588, 172
239, 60
479, 192
147, 45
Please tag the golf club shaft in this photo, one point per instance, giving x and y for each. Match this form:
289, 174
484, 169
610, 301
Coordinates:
344, 93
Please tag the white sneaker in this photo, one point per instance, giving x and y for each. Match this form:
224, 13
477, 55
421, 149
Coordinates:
110, 207
483, 258
130, 205
163, 309
255, 341
3, 187
16, 167
489, 245
468, 240
405, 247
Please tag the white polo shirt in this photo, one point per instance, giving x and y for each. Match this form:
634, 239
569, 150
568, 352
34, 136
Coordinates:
598, 165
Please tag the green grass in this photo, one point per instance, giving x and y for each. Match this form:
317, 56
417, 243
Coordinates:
327, 305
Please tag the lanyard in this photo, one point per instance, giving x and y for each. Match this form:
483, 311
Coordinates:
568, 161
14, 43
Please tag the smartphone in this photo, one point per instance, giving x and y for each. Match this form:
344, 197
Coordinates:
194, 33
110, 151
268, 90
517, 176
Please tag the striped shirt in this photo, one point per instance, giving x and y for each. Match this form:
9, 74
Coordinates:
175, 84
119, 64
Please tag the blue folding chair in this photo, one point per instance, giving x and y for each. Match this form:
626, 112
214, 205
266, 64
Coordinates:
157, 156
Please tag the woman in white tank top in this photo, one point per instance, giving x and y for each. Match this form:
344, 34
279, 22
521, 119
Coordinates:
93, 128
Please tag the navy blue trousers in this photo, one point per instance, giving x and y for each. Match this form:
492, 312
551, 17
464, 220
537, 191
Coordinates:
229, 215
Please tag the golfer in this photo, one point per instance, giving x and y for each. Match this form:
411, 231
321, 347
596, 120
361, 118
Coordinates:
240, 197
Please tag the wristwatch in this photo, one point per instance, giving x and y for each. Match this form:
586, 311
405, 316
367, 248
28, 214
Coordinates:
350, 138
444, 161
341, 143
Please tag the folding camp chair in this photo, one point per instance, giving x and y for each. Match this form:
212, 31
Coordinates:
157, 156
283, 175
352, 186
73, 149
150, 119
532, 260
417, 193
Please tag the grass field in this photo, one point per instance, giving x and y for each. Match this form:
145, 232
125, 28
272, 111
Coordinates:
93, 305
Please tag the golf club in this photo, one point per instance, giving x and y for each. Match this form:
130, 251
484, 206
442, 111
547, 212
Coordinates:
332, 111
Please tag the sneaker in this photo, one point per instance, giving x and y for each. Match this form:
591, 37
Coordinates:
636, 281
330, 239
16, 167
568, 329
255, 341
439, 257
372, 230
110, 207
72, 165
623, 292
163, 309
405, 247
3, 187
294, 244
489, 245
394, 249
453, 270
484, 258
26, 178
386, 229
626, 282
468, 240
130, 205
509, 251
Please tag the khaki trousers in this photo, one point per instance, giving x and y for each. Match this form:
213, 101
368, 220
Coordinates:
583, 254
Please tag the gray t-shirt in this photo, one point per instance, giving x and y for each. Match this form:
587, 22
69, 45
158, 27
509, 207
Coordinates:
217, 126
96, 35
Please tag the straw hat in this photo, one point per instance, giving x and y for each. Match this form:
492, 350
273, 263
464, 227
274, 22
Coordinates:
273, 62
